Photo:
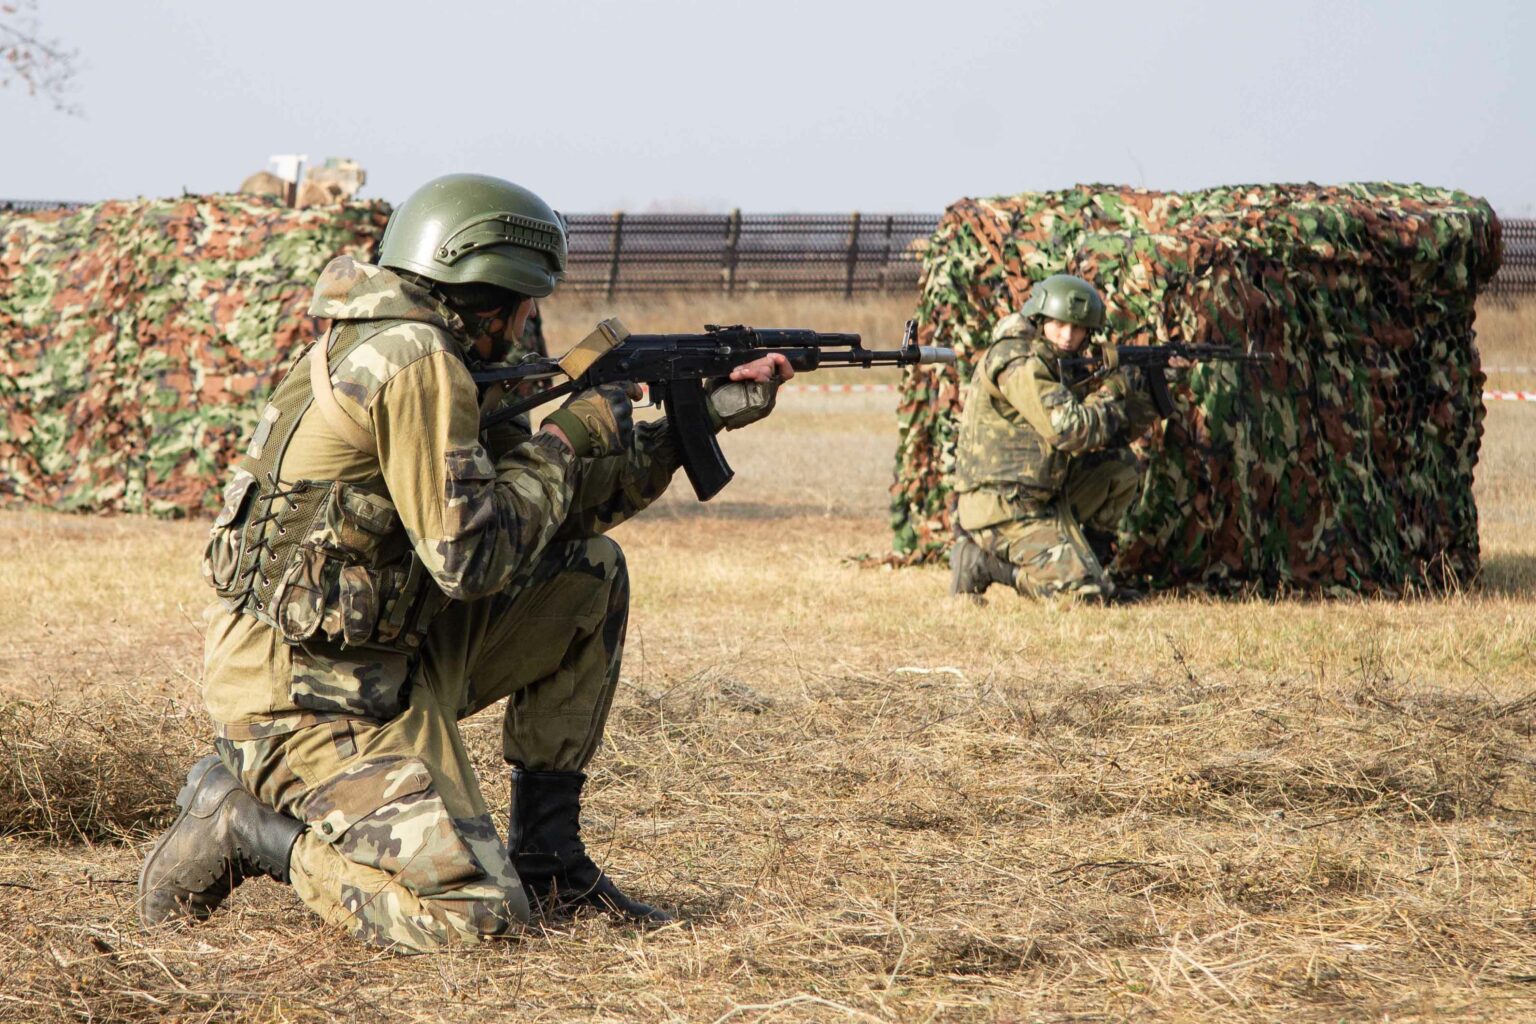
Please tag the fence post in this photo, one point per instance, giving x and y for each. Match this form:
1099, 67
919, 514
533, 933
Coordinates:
885, 261
853, 255
613, 261
732, 240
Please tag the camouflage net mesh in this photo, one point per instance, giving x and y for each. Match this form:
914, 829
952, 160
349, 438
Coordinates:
137, 336
1345, 465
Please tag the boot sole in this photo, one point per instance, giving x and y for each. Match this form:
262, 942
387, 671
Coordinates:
195, 779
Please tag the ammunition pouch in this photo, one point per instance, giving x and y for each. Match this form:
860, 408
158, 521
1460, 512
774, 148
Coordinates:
317, 560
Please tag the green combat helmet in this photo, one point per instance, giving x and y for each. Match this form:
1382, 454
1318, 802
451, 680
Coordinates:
466, 229
1066, 298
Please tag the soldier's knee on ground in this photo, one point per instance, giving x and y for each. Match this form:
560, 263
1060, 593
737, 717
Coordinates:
385, 858
393, 919
377, 907
1047, 561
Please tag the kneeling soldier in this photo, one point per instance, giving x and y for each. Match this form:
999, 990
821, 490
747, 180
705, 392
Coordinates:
385, 570
1042, 474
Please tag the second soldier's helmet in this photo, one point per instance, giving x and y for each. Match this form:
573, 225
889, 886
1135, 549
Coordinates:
472, 229
1066, 298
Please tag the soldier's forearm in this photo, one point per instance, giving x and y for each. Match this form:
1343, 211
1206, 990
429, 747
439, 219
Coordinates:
497, 521
613, 489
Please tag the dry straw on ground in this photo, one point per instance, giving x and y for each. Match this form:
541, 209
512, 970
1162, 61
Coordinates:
872, 803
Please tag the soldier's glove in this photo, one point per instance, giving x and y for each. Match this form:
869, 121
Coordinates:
1118, 384
1127, 387
597, 422
1112, 408
735, 403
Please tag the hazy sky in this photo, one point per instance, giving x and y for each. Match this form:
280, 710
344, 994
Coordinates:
783, 105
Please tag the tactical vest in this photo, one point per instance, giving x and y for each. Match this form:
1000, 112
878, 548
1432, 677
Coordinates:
318, 559
998, 449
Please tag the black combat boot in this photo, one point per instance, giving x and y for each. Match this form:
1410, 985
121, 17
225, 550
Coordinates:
544, 839
1125, 595
222, 836
1102, 543
973, 569
968, 572
1105, 544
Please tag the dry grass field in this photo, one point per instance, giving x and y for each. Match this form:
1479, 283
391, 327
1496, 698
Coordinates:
872, 803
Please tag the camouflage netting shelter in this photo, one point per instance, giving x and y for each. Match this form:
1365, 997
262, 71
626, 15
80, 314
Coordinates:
1343, 466
135, 335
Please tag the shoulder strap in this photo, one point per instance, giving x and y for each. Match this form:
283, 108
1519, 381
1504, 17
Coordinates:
343, 339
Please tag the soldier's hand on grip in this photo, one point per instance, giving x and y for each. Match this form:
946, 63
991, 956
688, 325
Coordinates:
1117, 385
597, 422
749, 393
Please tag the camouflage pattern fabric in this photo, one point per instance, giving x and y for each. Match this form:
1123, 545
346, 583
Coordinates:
401, 850
1049, 555
1036, 462
475, 525
1022, 424
1343, 466
362, 743
138, 340
1046, 541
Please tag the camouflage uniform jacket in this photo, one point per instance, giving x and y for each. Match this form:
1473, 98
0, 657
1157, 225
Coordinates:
1021, 428
476, 519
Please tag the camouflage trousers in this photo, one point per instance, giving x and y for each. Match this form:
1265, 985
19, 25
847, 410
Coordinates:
400, 849
1046, 542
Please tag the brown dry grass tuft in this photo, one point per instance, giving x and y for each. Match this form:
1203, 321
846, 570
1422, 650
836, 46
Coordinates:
874, 804
87, 772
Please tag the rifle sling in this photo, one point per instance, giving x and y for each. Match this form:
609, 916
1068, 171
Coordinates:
344, 426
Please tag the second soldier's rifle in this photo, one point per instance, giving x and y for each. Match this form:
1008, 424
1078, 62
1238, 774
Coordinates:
678, 368
1153, 361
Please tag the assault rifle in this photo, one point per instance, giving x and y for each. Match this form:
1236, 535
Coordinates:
1152, 361
677, 368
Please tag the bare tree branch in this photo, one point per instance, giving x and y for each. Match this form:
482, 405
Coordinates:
39, 64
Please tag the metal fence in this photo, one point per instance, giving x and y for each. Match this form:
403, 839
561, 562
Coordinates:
26, 205
1517, 274
848, 254
736, 252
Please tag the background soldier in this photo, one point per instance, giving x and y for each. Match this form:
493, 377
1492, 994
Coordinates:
1043, 475
384, 570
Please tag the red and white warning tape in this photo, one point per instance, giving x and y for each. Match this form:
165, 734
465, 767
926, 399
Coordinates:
840, 389
868, 389
859, 389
